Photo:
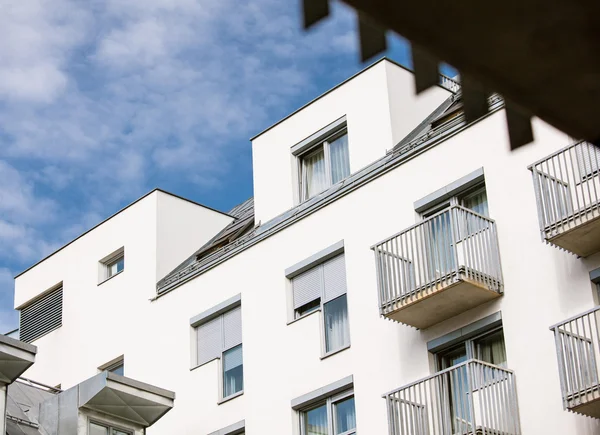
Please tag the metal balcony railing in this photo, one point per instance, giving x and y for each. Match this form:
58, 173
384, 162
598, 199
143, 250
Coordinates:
577, 351
452, 245
567, 188
471, 398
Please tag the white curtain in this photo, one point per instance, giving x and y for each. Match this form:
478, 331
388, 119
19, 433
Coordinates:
337, 334
316, 421
478, 203
492, 350
345, 416
233, 379
340, 160
315, 177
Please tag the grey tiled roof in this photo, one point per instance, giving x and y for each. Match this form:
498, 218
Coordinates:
241, 227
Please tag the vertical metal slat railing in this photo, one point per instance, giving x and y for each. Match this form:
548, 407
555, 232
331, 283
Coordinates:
567, 188
470, 398
455, 243
577, 350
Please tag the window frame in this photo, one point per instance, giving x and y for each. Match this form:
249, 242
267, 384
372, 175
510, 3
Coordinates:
330, 402
105, 264
458, 199
322, 143
217, 313
321, 304
108, 426
470, 345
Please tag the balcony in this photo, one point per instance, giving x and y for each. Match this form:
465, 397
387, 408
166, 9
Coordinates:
471, 398
577, 351
438, 268
567, 189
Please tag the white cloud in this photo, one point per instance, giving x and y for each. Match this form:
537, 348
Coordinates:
99, 99
37, 37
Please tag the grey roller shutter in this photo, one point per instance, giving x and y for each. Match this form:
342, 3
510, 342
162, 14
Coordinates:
334, 277
209, 341
307, 287
41, 316
232, 328
588, 160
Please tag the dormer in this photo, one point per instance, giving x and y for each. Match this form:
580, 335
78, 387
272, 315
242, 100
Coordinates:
336, 135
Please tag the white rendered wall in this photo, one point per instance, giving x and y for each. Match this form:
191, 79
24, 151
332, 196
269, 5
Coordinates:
369, 101
542, 286
182, 227
112, 308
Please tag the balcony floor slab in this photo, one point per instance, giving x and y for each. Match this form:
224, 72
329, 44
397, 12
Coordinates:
444, 302
582, 240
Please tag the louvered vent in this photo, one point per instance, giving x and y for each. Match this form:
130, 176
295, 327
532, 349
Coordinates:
41, 316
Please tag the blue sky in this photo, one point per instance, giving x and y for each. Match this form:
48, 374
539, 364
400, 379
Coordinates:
101, 101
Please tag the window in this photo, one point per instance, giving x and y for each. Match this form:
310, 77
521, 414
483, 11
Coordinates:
323, 287
324, 164
334, 415
111, 265
219, 336
116, 366
102, 429
42, 316
488, 347
115, 266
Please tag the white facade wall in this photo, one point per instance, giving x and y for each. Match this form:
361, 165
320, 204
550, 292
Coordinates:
542, 284
110, 308
380, 109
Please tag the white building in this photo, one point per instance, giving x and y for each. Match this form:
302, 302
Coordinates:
369, 203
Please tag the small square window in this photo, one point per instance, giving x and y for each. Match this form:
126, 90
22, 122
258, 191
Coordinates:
324, 165
116, 266
111, 265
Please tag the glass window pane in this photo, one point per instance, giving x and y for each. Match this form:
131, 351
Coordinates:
116, 266
233, 375
340, 160
337, 334
491, 349
345, 417
308, 308
96, 429
315, 421
314, 174
120, 432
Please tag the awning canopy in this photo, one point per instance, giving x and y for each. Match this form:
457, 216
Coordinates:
125, 398
15, 357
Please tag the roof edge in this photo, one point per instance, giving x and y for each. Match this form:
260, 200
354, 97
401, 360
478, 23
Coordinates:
304, 106
156, 189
